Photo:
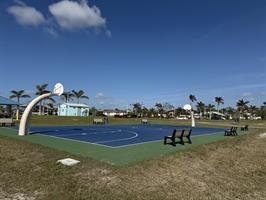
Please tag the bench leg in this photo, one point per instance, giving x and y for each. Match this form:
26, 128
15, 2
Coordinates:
189, 140
181, 140
165, 140
173, 141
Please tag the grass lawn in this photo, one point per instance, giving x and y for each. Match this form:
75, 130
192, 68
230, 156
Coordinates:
231, 168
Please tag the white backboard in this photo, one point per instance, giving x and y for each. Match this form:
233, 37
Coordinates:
187, 107
58, 89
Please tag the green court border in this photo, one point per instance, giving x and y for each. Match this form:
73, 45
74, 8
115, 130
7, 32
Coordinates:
115, 156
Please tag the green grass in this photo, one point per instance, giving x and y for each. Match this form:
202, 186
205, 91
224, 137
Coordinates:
117, 156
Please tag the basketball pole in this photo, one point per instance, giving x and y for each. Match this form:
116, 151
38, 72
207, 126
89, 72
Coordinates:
25, 119
192, 119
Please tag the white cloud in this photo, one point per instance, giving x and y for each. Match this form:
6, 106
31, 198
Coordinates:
100, 95
247, 94
108, 33
71, 15
26, 15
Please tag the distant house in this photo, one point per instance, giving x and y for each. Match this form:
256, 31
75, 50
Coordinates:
6, 107
73, 109
216, 115
114, 113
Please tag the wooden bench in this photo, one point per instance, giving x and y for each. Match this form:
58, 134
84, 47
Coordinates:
98, 121
180, 134
244, 128
7, 121
144, 121
187, 134
231, 132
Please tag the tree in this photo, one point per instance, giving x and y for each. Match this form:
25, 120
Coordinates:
242, 105
137, 108
18, 94
219, 100
252, 109
93, 111
210, 107
159, 108
50, 108
145, 111
67, 96
41, 89
48, 105
192, 98
152, 112
230, 111
262, 111
79, 95
179, 111
201, 107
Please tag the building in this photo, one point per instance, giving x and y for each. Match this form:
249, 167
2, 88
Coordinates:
6, 107
73, 109
216, 115
114, 113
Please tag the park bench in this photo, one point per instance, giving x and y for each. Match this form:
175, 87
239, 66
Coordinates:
231, 132
176, 134
144, 121
98, 121
7, 121
187, 134
244, 128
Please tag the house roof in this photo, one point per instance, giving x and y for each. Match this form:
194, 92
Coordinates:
217, 113
76, 105
6, 101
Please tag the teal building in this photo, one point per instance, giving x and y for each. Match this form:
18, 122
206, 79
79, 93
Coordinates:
73, 109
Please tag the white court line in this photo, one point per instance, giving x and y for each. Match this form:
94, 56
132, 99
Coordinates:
162, 140
62, 138
96, 143
115, 146
108, 141
93, 133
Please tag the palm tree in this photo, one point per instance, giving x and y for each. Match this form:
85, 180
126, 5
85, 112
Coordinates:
18, 94
210, 107
67, 96
79, 94
47, 105
152, 112
137, 107
159, 107
41, 89
242, 105
230, 111
200, 107
192, 98
219, 100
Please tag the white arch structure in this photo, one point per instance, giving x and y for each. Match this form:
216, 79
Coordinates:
24, 122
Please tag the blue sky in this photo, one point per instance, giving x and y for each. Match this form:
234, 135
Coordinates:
124, 51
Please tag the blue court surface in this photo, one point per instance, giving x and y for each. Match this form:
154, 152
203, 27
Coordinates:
116, 135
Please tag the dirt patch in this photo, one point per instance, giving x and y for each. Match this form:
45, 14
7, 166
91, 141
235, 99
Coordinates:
262, 135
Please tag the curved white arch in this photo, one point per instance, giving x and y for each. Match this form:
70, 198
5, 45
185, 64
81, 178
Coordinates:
24, 122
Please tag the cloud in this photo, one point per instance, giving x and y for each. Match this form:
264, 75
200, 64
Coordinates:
108, 33
100, 95
72, 15
247, 94
51, 31
26, 15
